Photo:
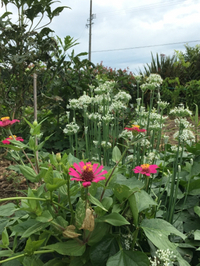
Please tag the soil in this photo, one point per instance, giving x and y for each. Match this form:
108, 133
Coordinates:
13, 184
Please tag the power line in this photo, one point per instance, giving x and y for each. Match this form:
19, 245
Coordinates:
141, 47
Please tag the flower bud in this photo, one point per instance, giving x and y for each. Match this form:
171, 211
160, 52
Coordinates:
35, 123
58, 157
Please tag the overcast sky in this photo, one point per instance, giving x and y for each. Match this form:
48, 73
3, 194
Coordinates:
125, 32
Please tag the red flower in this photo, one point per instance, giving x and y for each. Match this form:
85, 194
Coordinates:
135, 128
146, 169
6, 122
87, 173
7, 140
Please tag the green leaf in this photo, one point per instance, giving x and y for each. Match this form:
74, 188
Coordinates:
114, 218
5, 238
100, 230
128, 258
37, 227
45, 217
32, 261
197, 210
104, 249
116, 154
197, 235
80, 213
32, 246
7, 209
96, 202
70, 248
144, 200
134, 208
28, 172
53, 183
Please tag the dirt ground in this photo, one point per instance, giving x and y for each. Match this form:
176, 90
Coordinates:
12, 184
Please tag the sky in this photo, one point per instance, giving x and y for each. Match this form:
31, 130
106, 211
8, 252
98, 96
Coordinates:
126, 32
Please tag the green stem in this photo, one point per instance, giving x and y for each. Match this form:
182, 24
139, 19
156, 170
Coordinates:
26, 254
69, 199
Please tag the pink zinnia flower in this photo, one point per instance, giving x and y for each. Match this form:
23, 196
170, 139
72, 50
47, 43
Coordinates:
146, 169
6, 122
87, 173
135, 128
7, 140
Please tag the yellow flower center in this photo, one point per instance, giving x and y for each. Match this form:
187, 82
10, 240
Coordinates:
5, 118
10, 137
87, 174
136, 126
87, 167
145, 166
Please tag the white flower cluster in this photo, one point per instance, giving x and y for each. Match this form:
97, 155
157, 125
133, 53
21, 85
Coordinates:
128, 239
117, 106
185, 135
180, 111
155, 79
73, 104
108, 118
183, 123
80, 103
127, 135
106, 144
122, 96
164, 258
71, 128
162, 104
174, 148
138, 78
105, 87
152, 156
94, 116
147, 86
101, 99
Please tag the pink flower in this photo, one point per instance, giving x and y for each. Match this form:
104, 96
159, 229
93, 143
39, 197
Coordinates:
87, 173
146, 169
135, 129
7, 140
6, 122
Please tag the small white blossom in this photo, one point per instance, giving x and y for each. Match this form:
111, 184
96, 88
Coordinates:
162, 104
138, 78
106, 144
122, 96
71, 128
180, 111
127, 135
155, 79
163, 258
185, 135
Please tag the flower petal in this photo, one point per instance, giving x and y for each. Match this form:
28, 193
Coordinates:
97, 179
98, 170
74, 173
78, 168
86, 184
76, 179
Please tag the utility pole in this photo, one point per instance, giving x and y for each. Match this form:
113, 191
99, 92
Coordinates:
92, 16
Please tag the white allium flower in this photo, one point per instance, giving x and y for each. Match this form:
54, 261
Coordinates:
164, 258
106, 144
128, 239
106, 87
180, 111
94, 116
138, 100
162, 104
122, 96
117, 106
73, 104
145, 143
174, 148
147, 86
71, 128
101, 99
155, 79
152, 156
108, 118
166, 139
138, 78
127, 135
185, 135
183, 123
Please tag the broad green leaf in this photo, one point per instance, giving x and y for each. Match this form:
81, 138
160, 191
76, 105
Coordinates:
28, 172
37, 227
32, 246
53, 183
5, 238
5, 253
70, 248
32, 261
80, 213
100, 252
100, 230
144, 200
114, 218
20, 228
128, 258
197, 235
7, 209
59, 262
116, 154
158, 231
134, 208
45, 217
96, 202
197, 210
